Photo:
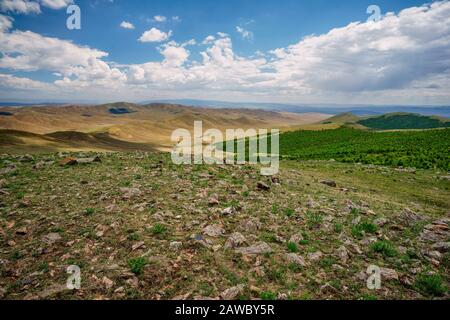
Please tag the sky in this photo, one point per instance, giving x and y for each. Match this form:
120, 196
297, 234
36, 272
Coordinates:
290, 51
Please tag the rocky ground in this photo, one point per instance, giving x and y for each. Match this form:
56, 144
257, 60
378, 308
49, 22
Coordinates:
140, 227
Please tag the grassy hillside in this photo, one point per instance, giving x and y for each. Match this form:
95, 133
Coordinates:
342, 118
140, 227
19, 142
404, 121
424, 149
147, 124
418, 149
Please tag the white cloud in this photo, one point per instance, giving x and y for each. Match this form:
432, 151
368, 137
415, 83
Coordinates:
5, 23
155, 35
126, 25
56, 4
404, 58
209, 39
159, 18
30, 6
174, 56
9, 81
20, 6
245, 34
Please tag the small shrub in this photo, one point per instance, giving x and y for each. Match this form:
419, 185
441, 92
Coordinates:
158, 229
89, 211
137, 264
292, 247
338, 227
289, 212
363, 227
430, 284
268, 295
313, 220
384, 247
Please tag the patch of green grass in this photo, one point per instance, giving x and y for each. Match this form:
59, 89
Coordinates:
268, 237
338, 227
289, 212
159, 229
327, 262
89, 211
133, 236
268, 295
137, 265
384, 247
363, 227
275, 208
277, 274
292, 247
205, 289
430, 284
313, 220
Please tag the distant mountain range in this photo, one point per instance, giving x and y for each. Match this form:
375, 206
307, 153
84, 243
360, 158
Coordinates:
358, 110
334, 109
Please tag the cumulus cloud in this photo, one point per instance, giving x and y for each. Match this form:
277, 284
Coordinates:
403, 57
30, 6
9, 81
209, 39
126, 25
56, 4
20, 6
155, 35
5, 23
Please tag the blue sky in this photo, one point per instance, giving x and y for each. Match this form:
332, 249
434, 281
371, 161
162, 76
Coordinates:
239, 64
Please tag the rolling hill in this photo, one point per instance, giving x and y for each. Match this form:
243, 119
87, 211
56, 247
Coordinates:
390, 121
150, 125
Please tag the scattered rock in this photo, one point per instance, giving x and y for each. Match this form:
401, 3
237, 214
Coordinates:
176, 245
441, 246
108, 283
262, 186
51, 238
137, 245
251, 225
343, 254
69, 161
328, 288
129, 193
380, 222
330, 183
214, 231
26, 158
389, 274
88, 160
232, 293
297, 259
282, 296
296, 238
316, 256
259, 248
411, 217
101, 230
2, 293
213, 200
48, 292
235, 240
228, 211
438, 231
22, 231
